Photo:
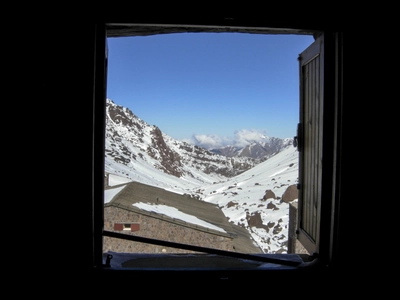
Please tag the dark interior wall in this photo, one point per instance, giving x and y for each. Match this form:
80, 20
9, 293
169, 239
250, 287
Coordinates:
58, 78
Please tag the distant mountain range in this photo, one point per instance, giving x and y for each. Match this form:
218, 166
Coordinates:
257, 150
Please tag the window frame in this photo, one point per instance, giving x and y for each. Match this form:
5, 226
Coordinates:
332, 116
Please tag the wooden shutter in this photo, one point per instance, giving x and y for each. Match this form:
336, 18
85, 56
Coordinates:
309, 140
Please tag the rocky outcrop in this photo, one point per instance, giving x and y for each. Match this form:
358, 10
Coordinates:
290, 194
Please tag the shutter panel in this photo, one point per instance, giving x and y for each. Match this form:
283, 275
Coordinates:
311, 64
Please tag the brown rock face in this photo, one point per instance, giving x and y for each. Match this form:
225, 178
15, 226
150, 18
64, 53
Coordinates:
290, 194
170, 161
269, 194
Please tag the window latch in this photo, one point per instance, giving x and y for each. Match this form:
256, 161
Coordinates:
108, 260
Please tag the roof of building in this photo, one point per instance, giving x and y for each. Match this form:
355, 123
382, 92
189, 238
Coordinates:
135, 192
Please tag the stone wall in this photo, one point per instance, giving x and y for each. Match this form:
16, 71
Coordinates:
158, 227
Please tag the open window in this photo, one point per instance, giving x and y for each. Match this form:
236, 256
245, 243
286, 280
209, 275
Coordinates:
317, 140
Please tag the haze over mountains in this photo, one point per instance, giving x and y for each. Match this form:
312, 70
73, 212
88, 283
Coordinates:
252, 185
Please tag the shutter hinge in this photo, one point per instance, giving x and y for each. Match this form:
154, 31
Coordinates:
297, 140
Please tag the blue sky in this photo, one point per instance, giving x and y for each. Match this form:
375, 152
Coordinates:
218, 86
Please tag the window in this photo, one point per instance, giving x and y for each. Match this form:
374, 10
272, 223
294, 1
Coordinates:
318, 180
126, 226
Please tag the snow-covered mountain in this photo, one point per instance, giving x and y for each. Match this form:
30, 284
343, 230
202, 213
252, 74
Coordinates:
131, 143
262, 149
253, 193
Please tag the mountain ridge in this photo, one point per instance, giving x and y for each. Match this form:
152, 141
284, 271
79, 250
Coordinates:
130, 138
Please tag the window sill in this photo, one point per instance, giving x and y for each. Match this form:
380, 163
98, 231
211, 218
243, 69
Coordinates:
146, 261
